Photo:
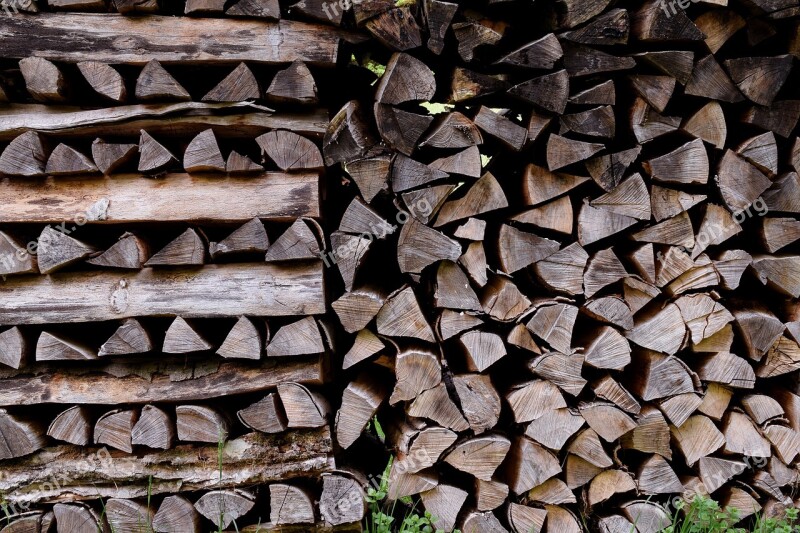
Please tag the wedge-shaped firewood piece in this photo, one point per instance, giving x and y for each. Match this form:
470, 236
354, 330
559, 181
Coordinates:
199, 7
603, 269
554, 428
365, 346
610, 310
563, 270
293, 85
703, 316
290, 505
129, 252
540, 185
355, 249
14, 348
130, 338
223, 507
537, 123
348, 136
595, 122
104, 80
762, 152
654, 22
562, 152
608, 170
203, 155
360, 219
728, 369
666, 203
360, 402
482, 349
708, 124
696, 438
43, 79
675, 63
135, 6
479, 401
66, 161
127, 515
743, 438
401, 316
647, 124
608, 389
264, 9
114, 429
265, 415
409, 174
529, 465
563, 370
710, 81
154, 429
181, 337
680, 407
400, 130
397, 29
656, 90
250, 237
643, 261
716, 401
506, 131
587, 446
607, 29
485, 522
719, 26
782, 358
716, 472
556, 215
601, 94
615, 524
444, 503
110, 156
417, 370
290, 151
687, 164
302, 337
553, 324
73, 426
608, 484
420, 246
651, 434
471, 35
553, 491
57, 250
451, 323
777, 233
453, 130
453, 290
608, 349
606, 419
406, 79
197, 423
782, 196
186, 249
55, 347
781, 273
660, 376
15, 258
761, 408
244, 341
357, 308
439, 15
785, 441
426, 447
77, 517
336, 490
781, 117
238, 86
241, 164
466, 163
550, 92
300, 241
435, 404
582, 60
155, 83
24, 156
304, 408
474, 262
524, 518
760, 78
663, 331
740, 183
675, 231
532, 400
717, 226
153, 157
539, 54
518, 249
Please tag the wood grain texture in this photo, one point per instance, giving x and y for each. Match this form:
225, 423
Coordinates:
173, 197
115, 39
211, 291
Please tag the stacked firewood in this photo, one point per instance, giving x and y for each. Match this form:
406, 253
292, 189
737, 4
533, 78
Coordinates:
569, 259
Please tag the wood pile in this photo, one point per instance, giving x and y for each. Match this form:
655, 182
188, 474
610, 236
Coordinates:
553, 246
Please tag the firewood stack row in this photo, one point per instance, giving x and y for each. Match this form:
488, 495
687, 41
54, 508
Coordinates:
164, 349
569, 258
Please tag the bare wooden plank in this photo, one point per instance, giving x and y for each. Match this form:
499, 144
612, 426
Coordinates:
252, 289
174, 197
181, 119
115, 39
86, 473
154, 380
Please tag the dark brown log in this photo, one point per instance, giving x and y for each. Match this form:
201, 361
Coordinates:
581, 60
781, 117
556, 215
719, 25
135, 6
266, 9
539, 54
607, 29
500, 127
347, 137
572, 13
397, 29
710, 81
400, 129
654, 22
595, 224
471, 35
601, 94
760, 78
406, 79
597, 122
241, 164
438, 16
550, 92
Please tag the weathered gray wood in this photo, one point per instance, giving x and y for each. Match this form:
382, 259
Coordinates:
138, 383
175, 197
115, 39
252, 459
212, 291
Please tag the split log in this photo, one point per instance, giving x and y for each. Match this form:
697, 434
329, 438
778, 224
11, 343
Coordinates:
104, 79
130, 338
265, 415
55, 347
109, 156
223, 507
43, 79
444, 503
153, 157
479, 456
155, 83
342, 500
14, 348
290, 151
197, 423
25, 156
203, 155
304, 409
182, 337
66, 161
114, 429
76, 517
529, 465
360, 402
397, 29
237, 86
290, 505
73, 426
127, 515
176, 512
244, 341
708, 124
129, 252
153, 429
186, 249
549, 92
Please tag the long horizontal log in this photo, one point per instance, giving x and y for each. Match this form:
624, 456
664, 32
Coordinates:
171, 198
257, 289
117, 39
69, 472
170, 379
242, 119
